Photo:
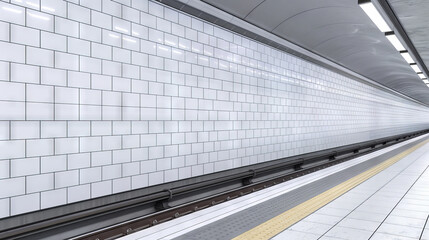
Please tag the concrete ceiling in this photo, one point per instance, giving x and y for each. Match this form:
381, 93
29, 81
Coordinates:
340, 31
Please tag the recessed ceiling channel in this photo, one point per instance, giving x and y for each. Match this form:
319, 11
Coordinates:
373, 13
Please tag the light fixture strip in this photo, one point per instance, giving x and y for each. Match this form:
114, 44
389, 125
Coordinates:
394, 40
372, 12
370, 9
406, 55
415, 68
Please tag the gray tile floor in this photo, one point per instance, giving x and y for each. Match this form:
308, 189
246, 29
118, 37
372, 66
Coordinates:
393, 204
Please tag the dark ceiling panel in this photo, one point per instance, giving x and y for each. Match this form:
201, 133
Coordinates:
414, 17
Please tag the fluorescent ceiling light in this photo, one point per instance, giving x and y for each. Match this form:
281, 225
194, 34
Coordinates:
407, 57
415, 68
426, 81
372, 12
395, 41
421, 75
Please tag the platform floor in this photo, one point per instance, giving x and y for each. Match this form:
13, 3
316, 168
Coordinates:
381, 195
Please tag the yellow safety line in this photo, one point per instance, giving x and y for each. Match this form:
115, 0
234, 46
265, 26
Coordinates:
286, 219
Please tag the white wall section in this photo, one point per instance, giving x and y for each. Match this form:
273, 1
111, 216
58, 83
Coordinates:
100, 97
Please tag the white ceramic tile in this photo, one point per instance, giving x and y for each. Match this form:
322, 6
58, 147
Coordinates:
90, 175
12, 187
4, 130
121, 26
12, 111
24, 167
66, 178
101, 20
66, 61
92, 4
131, 14
4, 71
24, 129
34, 4
38, 183
40, 20
54, 7
53, 163
24, 35
112, 8
53, 41
10, 91
40, 93
78, 13
24, 73
99, 189
12, 52
12, 13
53, 198
41, 57
39, 111
90, 144
4, 208
78, 46
90, 33
66, 27
90, 65
148, 20
25, 203
101, 82
78, 161
66, 145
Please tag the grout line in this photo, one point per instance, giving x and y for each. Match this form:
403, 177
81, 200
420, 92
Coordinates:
400, 199
424, 228
398, 174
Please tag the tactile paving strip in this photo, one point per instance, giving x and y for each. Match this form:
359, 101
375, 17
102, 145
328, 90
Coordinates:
236, 224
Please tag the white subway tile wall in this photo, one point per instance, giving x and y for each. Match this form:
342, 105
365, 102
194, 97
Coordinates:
100, 97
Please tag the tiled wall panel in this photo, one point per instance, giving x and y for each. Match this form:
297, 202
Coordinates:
99, 97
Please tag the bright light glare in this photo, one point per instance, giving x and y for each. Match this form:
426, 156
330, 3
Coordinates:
32, 4
426, 81
375, 16
407, 57
421, 75
48, 9
121, 29
395, 41
12, 10
129, 40
38, 16
415, 68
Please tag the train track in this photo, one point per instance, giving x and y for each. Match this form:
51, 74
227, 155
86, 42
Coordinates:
161, 206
